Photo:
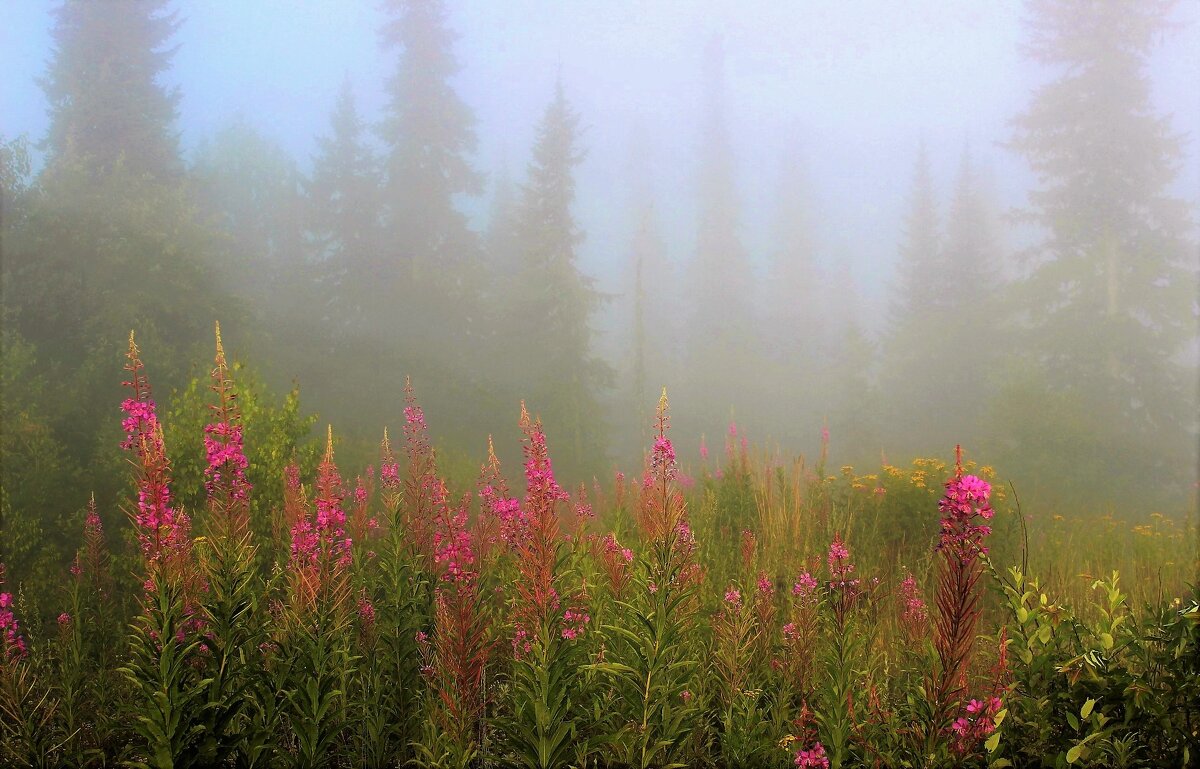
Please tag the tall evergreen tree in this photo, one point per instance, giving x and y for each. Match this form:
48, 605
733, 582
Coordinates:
343, 217
251, 187
107, 102
109, 237
554, 303
651, 307
429, 133
920, 285
1110, 295
918, 302
792, 280
721, 323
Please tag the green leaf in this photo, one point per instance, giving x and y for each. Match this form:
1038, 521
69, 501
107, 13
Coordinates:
1073, 754
1086, 710
992, 742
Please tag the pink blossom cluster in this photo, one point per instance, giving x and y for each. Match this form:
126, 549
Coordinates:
140, 420
812, 758
539, 474
366, 612
452, 548
327, 529
840, 567
805, 587
522, 642
514, 523
613, 547
662, 458
12, 645
965, 502
161, 528
574, 622
733, 597
765, 586
914, 614
226, 459
978, 723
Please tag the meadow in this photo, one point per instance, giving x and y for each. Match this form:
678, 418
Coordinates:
727, 609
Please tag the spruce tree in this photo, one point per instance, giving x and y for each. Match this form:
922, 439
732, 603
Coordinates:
342, 201
792, 279
917, 314
554, 302
721, 330
1109, 298
429, 134
107, 102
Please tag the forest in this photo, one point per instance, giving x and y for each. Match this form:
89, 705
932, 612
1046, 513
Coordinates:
756, 437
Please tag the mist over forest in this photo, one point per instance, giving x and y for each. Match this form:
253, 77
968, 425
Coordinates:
904, 227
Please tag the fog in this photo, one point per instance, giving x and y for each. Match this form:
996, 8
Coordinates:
864, 218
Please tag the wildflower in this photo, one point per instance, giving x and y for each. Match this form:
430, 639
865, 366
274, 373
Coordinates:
574, 621
812, 758
366, 611
325, 532
913, 613
806, 585
12, 645
733, 597
686, 696
840, 567
703, 450
64, 620
765, 585
162, 530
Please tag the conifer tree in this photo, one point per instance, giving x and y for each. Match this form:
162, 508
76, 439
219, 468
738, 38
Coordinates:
107, 104
792, 285
342, 198
1109, 298
918, 303
429, 134
721, 325
554, 302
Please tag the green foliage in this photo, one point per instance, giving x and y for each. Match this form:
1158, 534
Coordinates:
277, 433
170, 692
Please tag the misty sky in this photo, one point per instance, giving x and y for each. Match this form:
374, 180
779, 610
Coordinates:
853, 86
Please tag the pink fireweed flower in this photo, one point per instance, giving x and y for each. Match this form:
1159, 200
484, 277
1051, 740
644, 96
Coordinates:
686, 696
840, 567
574, 622
812, 758
914, 615
389, 468
806, 585
765, 585
452, 549
325, 532
733, 597
366, 612
163, 531
226, 460
12, 645
976, 726
663, 455
615, 560
966, 500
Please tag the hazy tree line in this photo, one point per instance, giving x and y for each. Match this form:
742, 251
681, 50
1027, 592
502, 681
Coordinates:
1070, 363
